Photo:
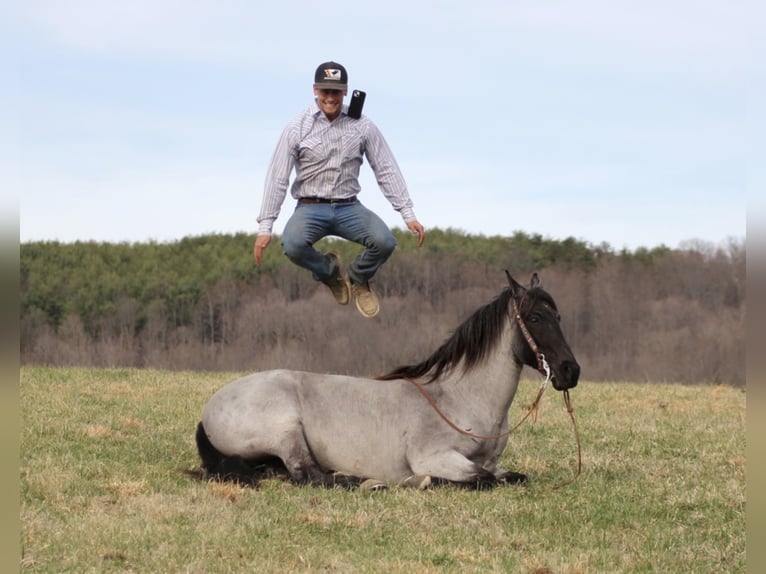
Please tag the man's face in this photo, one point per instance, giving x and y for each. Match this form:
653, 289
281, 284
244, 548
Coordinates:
330, 101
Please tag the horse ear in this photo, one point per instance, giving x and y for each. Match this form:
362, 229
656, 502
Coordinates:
517, 289
535, 281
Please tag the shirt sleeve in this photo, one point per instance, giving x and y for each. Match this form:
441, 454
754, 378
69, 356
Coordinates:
277, 180
387, 173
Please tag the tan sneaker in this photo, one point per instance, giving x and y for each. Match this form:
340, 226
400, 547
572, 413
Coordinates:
366, 300
338, 283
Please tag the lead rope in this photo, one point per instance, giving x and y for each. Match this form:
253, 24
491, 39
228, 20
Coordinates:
570, 410
532, 409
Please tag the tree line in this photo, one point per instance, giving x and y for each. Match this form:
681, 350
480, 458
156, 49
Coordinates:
200, 303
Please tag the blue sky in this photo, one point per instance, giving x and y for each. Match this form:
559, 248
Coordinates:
623, 122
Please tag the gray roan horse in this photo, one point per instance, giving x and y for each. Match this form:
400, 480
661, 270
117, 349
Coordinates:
331, 430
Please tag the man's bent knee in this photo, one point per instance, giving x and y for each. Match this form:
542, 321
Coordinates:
294, 248
384, 244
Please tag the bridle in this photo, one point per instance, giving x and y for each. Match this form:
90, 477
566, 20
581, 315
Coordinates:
543, 368
542, 364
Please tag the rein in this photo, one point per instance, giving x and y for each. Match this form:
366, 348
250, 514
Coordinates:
570, 410
545, 370
447, 420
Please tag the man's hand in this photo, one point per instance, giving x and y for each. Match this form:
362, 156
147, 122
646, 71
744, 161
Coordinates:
416, 227
261, 243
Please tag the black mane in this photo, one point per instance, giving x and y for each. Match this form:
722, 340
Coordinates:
471, 342
474, 339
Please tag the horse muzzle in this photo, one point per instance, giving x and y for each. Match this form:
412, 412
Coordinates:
565, 375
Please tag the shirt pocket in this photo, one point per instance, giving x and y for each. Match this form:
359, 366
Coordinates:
311, 149
353, 145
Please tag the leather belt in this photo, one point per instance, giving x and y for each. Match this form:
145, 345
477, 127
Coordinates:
325, 200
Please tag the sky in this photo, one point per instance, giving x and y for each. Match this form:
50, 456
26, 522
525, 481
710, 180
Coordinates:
617, 122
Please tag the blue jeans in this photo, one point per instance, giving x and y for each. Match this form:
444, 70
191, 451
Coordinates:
352, 221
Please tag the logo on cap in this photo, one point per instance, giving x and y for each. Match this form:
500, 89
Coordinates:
332, 74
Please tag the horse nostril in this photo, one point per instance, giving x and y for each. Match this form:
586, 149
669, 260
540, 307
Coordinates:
571, 371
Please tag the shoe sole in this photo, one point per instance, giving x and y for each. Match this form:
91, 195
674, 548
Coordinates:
362, 312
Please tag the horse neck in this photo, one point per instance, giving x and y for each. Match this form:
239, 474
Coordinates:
492, 384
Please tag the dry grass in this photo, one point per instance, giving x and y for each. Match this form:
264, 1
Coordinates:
108, 458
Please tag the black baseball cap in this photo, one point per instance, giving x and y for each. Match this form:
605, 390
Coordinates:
331, 76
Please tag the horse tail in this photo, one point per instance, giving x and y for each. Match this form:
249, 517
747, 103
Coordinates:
219, 466
211, 456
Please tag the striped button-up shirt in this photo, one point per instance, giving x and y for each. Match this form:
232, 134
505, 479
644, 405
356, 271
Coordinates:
326, 157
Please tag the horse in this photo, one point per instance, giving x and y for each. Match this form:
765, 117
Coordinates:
337, 430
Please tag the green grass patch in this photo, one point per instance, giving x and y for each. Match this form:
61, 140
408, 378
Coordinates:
105, 487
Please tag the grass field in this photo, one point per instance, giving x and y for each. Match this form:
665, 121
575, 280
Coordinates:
105, 487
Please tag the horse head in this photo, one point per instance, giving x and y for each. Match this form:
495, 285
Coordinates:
542, 340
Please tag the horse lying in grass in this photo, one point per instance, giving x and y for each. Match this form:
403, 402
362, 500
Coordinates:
330, 429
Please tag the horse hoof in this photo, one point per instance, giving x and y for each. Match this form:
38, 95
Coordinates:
373, 485
515, 478
419, 481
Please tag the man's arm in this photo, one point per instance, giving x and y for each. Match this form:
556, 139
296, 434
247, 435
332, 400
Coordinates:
391, 180
277, 180
387, 173
275, 189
